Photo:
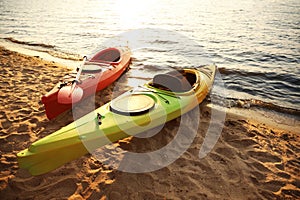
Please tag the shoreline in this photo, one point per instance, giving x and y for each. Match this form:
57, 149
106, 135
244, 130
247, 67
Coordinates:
43, 55
272, 118
255, 156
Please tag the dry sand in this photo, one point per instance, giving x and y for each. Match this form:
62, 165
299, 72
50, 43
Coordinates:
251, 160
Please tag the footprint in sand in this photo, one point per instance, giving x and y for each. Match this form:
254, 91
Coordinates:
6, 124
258, 166
22, 128
11, 142
264, 156
256, 177
273, 185
242, 143
227, 152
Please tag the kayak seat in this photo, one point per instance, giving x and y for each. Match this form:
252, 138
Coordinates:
187, 79
166, 82
171, 83
108, 56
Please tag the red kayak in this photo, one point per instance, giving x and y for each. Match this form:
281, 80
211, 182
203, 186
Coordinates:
95, 74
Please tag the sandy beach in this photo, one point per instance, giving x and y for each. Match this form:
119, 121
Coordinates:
253, 159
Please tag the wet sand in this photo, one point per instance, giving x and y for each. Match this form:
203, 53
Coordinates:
254, 157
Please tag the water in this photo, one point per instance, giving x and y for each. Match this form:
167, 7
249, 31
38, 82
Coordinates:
256, 44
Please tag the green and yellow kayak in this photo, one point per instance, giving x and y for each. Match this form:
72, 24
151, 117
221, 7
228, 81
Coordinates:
164, 98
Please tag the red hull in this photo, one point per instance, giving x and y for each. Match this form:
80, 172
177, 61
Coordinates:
91, 81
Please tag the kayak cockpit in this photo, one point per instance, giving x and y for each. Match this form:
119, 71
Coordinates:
110, 55
175, 81
105, 59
